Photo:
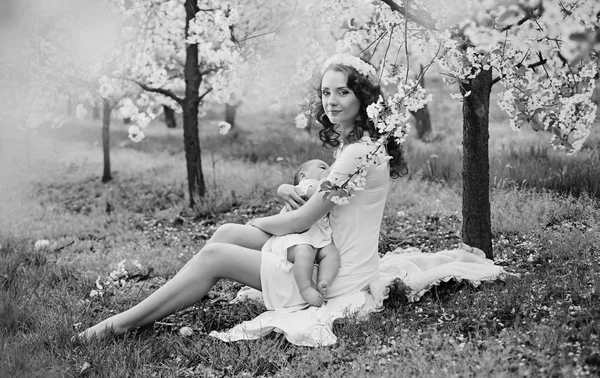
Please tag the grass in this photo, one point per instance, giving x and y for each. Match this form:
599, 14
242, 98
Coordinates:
543, 324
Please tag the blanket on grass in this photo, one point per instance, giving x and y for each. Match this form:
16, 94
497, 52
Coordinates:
419, 272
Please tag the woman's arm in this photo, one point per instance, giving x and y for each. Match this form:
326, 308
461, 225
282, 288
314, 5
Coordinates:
291, 196
317, 206
297, 220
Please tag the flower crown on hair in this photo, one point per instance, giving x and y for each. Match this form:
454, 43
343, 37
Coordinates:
355, 62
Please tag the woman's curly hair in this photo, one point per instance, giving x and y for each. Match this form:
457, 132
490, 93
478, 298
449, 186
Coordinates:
367, 93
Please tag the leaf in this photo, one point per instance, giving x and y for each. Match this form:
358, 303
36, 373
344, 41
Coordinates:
567, 145
522, 106
556, 131
326, 186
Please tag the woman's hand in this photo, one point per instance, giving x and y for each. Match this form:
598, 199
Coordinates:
291, 196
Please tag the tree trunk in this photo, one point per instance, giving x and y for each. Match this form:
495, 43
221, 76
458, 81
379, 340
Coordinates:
169, 117
106, 176
230, 111
95, 112
477, 226
191, 141
309, 122
422, 118
69, 106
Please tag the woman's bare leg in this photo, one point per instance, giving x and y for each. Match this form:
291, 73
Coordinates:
216, 260
237, 234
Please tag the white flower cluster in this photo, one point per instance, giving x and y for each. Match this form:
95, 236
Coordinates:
301, 121
118, 278
224, 127
559, 103
350, 60
391, 116
41, 245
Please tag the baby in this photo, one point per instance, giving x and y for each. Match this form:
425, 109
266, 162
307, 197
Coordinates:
298, 252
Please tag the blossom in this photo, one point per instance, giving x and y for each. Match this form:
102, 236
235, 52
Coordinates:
127, 109
224, 127
375, 109
301, 121
80, 112
135, 133
186, 331
142, 120
340, 200
41, 244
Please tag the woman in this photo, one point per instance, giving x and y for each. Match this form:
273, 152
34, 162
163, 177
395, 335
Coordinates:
234, 251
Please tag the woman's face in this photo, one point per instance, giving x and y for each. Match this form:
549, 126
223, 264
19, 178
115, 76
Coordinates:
340, 103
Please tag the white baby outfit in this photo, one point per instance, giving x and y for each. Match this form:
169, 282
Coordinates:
318, 236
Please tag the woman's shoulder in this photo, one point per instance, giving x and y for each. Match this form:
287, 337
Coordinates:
361, 146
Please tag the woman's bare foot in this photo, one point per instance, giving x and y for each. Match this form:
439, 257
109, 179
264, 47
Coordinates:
312, 296
322, 286
101, 330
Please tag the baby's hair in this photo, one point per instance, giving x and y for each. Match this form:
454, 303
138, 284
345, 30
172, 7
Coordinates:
300, 170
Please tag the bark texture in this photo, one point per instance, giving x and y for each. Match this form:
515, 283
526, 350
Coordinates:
422, 118
106, 176
476, 227
230, 112
191, 140
170, 120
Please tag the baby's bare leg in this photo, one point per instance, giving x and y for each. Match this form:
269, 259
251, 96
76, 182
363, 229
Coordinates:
303, 257
328, 258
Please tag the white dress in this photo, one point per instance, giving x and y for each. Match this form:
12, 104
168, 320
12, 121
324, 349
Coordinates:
362, 284
318, 236
355, 232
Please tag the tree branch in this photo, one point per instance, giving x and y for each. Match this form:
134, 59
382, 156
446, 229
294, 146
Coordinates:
541, 62
417, 19
274, 30
205, 93
162, 91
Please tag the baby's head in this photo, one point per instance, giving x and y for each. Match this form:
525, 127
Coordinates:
312, 169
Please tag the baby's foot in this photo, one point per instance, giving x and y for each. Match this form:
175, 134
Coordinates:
322, 286
312, 296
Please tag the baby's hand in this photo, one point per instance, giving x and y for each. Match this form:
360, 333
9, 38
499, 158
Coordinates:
291, 196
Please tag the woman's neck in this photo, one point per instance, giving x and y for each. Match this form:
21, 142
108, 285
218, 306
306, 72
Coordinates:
346, 129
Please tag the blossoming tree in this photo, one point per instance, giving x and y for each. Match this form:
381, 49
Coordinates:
185, 55
194, 49
542, 52
67, 53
